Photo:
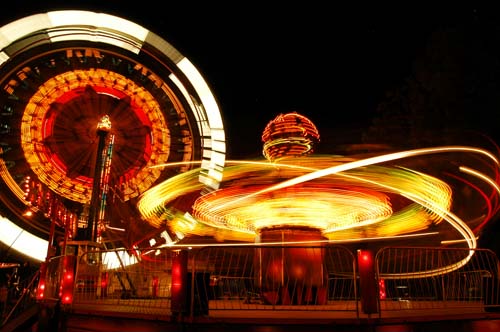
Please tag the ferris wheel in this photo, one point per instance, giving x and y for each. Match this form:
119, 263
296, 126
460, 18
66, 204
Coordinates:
61, 72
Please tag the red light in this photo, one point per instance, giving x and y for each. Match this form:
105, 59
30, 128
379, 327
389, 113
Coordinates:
41, 282
381, 287
364, 258
176, 275
41, 289
67, 298
104, 279
66, 285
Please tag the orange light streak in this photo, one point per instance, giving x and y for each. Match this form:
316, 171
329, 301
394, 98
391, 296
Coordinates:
345, 198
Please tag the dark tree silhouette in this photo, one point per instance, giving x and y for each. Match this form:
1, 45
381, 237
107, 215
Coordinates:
451, 91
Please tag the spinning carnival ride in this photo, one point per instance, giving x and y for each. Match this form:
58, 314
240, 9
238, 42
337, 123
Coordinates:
439, 195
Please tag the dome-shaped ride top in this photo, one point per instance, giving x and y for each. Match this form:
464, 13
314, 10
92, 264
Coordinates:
289, 135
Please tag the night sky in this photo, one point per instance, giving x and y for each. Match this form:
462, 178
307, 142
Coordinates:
333, 64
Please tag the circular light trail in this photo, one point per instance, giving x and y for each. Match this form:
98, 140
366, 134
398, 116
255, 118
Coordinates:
345, 198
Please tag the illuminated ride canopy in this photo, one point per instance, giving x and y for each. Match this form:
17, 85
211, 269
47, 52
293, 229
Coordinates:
443, 195
60, 73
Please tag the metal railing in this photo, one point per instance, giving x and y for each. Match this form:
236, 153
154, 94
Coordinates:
125, 280
437, 279
18, 298
274, 278
223, 280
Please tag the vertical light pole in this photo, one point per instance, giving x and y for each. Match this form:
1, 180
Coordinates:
103, 129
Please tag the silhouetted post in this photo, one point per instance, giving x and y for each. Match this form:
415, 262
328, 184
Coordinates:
178, 289
367, 282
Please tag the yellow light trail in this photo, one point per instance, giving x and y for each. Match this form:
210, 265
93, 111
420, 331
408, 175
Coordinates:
346, 198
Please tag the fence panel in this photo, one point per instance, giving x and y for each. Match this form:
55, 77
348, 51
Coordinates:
437, 279
274, 278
